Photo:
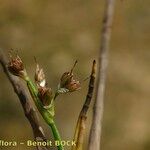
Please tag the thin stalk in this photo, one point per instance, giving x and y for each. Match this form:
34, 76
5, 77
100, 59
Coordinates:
56, 135
95, 132
56, 94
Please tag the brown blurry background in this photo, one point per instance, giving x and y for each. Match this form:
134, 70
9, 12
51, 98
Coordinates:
58, 33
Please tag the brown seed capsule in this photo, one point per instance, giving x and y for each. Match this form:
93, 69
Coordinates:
16, 67
67, 81
73, 86
66, 78
45, 95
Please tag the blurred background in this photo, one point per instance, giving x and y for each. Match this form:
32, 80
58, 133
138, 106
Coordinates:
58, 33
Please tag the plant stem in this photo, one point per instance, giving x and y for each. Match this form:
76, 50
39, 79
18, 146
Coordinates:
56, 135
95, 132
34, 93
81, 123
46, 114
56, 94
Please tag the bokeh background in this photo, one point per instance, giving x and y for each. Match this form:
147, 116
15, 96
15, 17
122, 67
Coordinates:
58, 33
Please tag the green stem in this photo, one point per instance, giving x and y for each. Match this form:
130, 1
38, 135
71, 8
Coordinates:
46, 114
34, 93
54, 129
56, 135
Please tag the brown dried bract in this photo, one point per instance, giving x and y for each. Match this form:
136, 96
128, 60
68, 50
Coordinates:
40, 76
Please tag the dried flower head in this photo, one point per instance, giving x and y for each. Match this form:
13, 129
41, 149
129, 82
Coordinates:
73, 85
68, 83
45, 95
66, 78
39, 77
16, 67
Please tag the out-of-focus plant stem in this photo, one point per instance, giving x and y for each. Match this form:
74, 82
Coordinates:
81, 123
95, 133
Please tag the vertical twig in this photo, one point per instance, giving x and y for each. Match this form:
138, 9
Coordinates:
95, 133
80, 127
29, 110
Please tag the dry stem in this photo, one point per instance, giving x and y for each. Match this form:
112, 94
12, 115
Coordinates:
81, 123
95, 133
29, 110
